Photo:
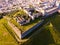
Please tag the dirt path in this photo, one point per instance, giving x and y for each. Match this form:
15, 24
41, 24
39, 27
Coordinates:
15, 29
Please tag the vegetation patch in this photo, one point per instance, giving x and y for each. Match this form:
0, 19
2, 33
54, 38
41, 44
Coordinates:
5, 37
50, 34
21, 13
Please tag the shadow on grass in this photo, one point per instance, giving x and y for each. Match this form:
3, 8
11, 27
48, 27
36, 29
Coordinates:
56, 22
42, 38
45, 37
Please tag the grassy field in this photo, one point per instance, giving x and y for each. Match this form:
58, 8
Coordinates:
25, 27
5, 37
9, 37
50, 34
